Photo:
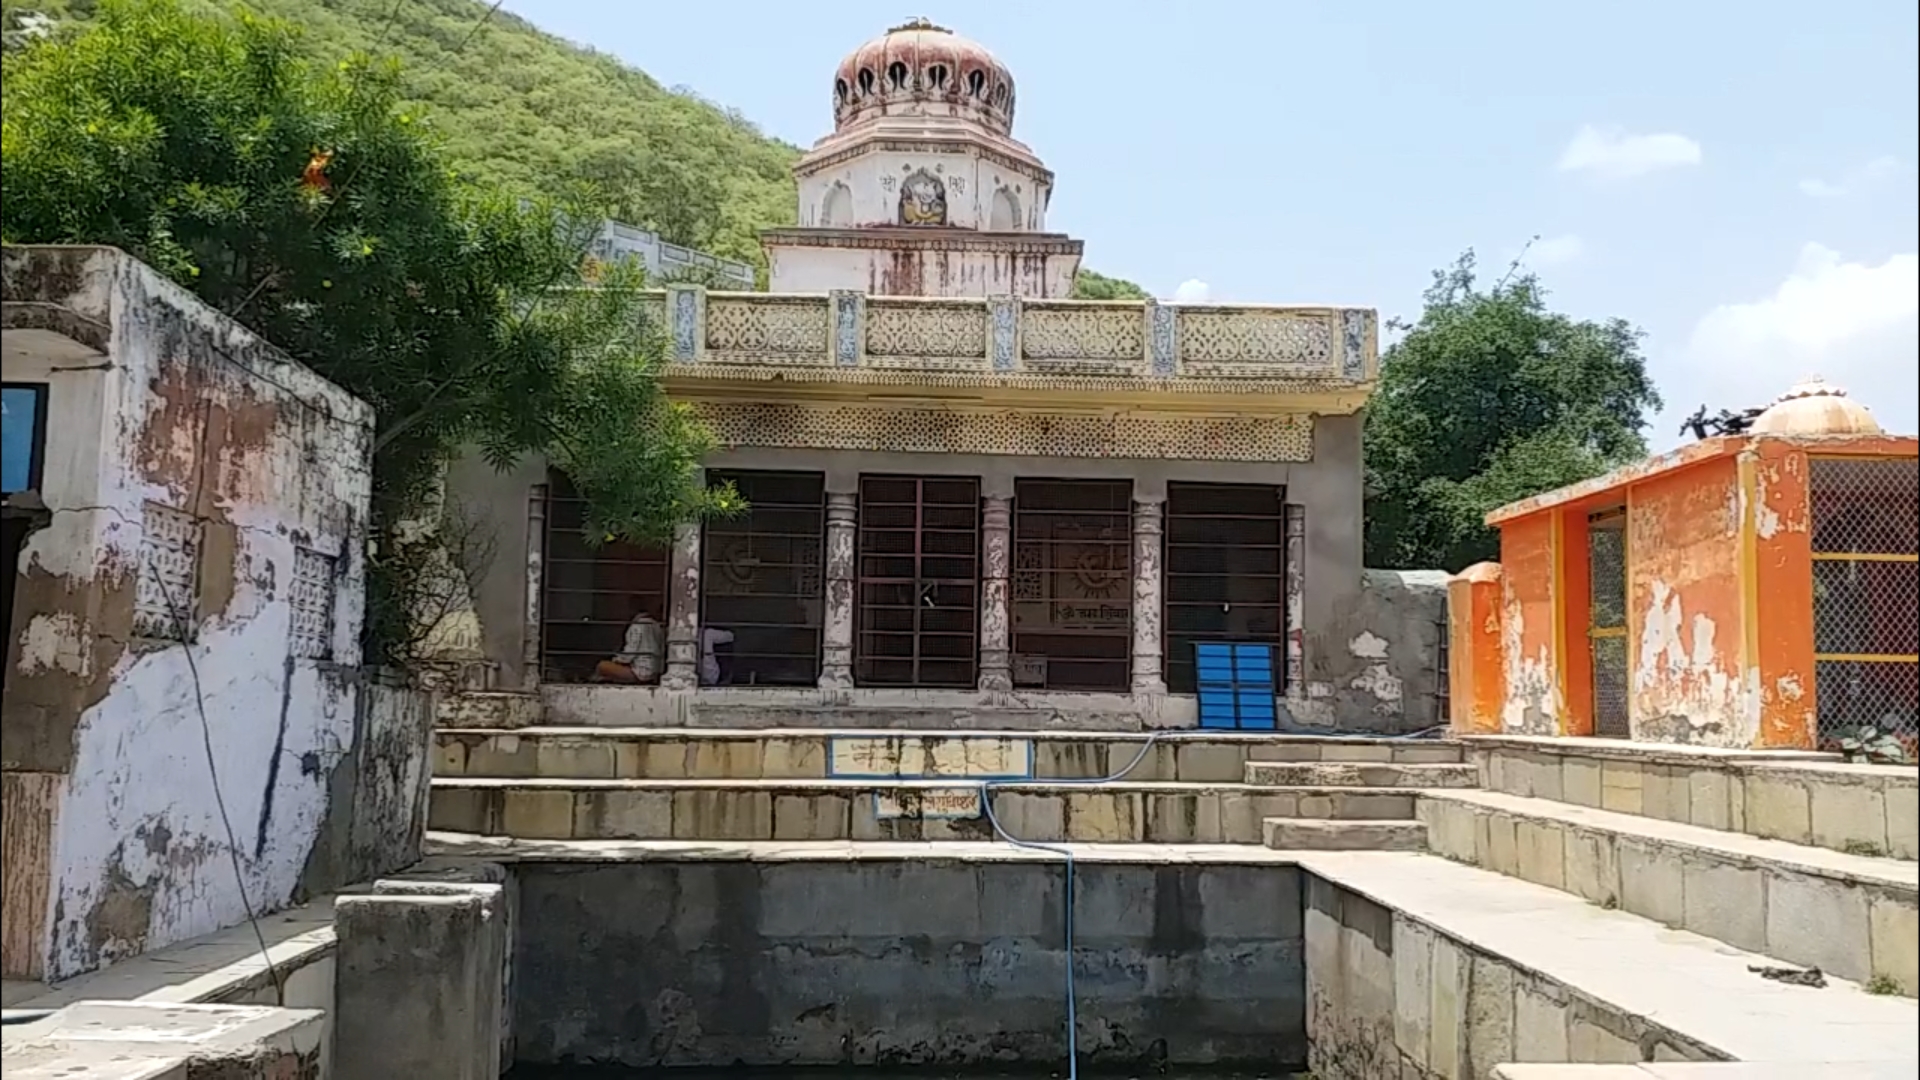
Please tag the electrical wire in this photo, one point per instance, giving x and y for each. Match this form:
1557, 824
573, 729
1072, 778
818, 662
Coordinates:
1065, 852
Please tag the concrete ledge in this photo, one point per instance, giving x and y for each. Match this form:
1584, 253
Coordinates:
455, 849
888, 809
487, 709
788, 754
1852, 916
220, 968
119, 1040
1497, 970
1801, 797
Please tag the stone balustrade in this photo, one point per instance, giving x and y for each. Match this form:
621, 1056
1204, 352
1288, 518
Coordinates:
1014, 338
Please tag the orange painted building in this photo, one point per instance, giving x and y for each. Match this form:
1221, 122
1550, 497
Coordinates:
1750, 591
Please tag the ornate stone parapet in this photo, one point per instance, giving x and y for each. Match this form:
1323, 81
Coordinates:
996, 546
840, 334
836, 631
1148, 677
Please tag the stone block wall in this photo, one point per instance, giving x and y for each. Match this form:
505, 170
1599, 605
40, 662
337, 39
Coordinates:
903, 962
1391, 998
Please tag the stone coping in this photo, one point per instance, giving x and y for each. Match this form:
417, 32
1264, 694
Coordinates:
1659, 753
445, 848
1692, 985
1170, 736
203, 970
1715, 1070
860, 785
1899, 875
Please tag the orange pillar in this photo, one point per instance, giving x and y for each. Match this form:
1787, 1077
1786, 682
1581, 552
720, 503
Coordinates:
1476, 670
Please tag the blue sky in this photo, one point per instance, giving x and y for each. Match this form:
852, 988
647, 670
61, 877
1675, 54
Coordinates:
1738, 179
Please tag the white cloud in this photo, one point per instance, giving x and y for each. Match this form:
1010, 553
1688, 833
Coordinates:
1616, 155
1192, 291
1555, 251
1854, 182
1858, 325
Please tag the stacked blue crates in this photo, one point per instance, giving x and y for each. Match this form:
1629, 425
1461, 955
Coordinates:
1235, 684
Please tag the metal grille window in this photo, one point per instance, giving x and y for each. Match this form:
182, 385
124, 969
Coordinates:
589, 592
1866, 595
1607, 622
1225, 571
1072, 587
919, 582
760, 579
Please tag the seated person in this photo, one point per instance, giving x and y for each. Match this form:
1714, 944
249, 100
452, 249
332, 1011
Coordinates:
711, 636
642, 658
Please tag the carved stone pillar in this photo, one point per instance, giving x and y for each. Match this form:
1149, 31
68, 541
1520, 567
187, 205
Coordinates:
836, 626
1147, 667
996, 549
683, 612
534, 628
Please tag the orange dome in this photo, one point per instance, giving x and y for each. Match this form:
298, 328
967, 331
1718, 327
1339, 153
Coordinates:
918, 64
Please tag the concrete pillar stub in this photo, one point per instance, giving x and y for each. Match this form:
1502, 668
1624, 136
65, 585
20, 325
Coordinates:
996, 543
836, 630
1147, 595
417, 982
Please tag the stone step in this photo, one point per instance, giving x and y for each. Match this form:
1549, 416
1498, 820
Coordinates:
883, 809
775, 753
1451, 970
1853, 916
1799, 796
1360, 774
1305, 834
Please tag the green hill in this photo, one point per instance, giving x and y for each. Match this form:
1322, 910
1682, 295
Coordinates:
521, 107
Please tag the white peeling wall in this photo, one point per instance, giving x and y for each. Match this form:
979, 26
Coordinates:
234, 491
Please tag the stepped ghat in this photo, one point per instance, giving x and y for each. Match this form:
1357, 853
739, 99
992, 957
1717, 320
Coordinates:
959, 791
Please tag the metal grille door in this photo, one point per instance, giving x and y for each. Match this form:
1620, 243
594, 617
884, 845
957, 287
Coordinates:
760, 579
1607, 622
1866, 598
919, 581
1225, 571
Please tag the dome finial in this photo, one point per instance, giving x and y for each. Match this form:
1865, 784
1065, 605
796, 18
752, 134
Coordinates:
918, 22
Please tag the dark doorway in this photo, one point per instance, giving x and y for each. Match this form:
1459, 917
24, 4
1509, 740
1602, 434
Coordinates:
1072, 587
760, 579
1225, 571
919, 582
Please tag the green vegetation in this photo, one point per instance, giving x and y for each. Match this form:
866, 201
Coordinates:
521, 108
312, 206
1088, 285
1489, 398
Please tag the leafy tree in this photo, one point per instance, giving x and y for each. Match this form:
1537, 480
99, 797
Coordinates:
311, 206
1490, 397
1088, 285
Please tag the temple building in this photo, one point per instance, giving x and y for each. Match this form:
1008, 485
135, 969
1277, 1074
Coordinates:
967, 491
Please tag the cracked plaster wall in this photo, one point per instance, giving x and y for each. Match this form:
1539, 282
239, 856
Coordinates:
184, 416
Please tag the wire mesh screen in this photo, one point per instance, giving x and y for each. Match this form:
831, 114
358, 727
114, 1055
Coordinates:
1072, 584
1607, 623
1866, 596
1225, 570
919, 582
760, 581
590, 592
